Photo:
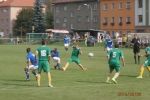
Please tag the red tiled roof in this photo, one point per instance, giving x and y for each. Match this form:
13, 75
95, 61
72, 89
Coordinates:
66, 1
17, 3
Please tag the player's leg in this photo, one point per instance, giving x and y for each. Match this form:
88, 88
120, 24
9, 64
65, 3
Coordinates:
138, 54
40, 67
46, 69
77, 61
67, 64
109, 74
135, 56
142, 69
27, 73
117, 69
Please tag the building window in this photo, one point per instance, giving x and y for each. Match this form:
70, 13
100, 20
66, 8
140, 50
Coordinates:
57, 20
120, 20
105, 7
71, 26
140, 3
95, 19
57, 9
65, 19
120, 5
95, 7
105, 21
87, 19
140, 18
71, 14
65, 8
128, 4
128, 20
112, 21
79, 19
113, 5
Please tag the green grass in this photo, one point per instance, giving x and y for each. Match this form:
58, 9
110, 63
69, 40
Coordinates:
73, 84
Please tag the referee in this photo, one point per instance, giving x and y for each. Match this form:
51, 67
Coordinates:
136, 48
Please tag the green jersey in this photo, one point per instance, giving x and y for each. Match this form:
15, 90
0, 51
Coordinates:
75, 53
114, 56
43, 53
147, 50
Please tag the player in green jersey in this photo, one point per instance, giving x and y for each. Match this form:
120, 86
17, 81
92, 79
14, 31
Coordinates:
74, 58
43, 54
146, 63
114, 57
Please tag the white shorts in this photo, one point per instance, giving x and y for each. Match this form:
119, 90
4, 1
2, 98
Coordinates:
32, 67
108, 49
56, 59
66, 44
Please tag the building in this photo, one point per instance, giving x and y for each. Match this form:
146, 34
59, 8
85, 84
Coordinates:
117, 16
8, 11
142, 16
76, 14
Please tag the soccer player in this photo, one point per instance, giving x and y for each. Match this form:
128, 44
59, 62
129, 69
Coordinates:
66, 42
136, 48
74, 58
146, 63
43, 54
32, 64
108, 44
114, 56
56, 57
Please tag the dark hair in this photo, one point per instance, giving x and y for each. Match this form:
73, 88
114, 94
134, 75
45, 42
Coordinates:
28, 50
116, 45
43, 42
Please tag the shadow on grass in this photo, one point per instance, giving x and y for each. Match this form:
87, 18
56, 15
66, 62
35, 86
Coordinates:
91, 82
16, 82
128, 75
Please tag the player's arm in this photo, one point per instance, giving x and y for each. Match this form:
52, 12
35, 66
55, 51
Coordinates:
122, 59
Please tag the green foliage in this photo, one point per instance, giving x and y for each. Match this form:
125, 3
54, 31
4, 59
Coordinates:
38, 18
23, 23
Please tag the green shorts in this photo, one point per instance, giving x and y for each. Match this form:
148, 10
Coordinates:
146, 63
76, 60
43, 65
114, 66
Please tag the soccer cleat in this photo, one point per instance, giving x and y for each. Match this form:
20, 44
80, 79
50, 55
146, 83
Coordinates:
114, 81
140, 77
50, 85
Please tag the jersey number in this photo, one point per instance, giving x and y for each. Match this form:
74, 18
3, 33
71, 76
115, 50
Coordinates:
43, 53
114, 54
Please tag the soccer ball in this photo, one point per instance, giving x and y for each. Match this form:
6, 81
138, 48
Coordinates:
90, 54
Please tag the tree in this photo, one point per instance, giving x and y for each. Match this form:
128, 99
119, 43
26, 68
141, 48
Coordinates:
23, 22
38, 18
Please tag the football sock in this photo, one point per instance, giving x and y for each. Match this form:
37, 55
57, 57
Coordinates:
141, 71
135, 59
39, 79
49, 78
116, 75
138, 59
27, 73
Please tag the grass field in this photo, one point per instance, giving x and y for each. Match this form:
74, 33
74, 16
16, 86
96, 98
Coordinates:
73, 84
